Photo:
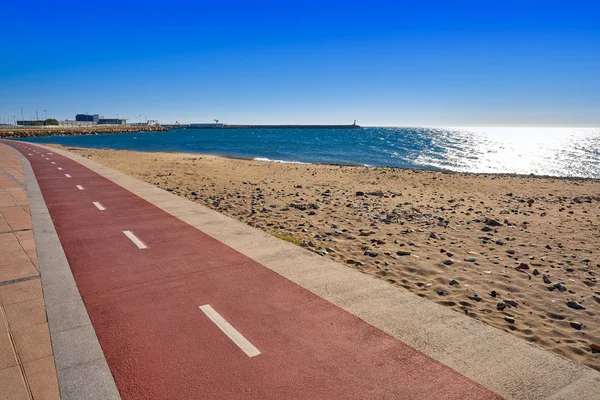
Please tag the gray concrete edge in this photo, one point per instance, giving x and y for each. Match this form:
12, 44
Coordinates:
81, 367
506, 364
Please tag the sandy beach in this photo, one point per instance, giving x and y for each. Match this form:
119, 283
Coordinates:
520, 253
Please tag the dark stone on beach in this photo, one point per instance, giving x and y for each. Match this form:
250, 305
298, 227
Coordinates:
360, 193
449, 254
486, 229
510, 251
501, 306
499, 242
470, 259
298, 186
350, 262
475, 297
522, 266
493, 293
371, 253
546, 279
548, 247
595, 348
536, 272
453, 282
442, 293
377, 193
511, 303
560, 286
576, 325
493, 222
510, 320
403, 253
433, 235
575, 305
448, 262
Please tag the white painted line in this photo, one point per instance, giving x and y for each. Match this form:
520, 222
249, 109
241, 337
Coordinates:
49, 154
79, 187
47, 159
135, 240
52, 162
29, 154
59, 168
67, 175
230, 331
99, 206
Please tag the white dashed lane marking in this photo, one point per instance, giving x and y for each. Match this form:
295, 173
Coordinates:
79, 187
67, 175
99, 206
230, 331
135, 240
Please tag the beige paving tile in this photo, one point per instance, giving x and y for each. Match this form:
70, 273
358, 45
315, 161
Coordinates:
25, 314
4, 225
24, 235
13, 386
16, 217
8, 244
20, 292
7, 354
16, 265
6, 200
41, 375
32, 342
20, 197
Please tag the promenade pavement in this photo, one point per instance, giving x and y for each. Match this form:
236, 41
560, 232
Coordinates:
26, 360
152, 296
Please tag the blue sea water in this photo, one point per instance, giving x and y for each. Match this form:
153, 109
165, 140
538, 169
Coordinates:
565, 152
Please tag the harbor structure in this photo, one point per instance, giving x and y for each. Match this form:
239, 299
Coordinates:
87, 118
112, 121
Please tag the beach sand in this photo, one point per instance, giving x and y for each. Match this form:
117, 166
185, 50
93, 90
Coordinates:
519, 253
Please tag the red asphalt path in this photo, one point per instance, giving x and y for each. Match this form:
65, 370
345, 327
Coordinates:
144, 306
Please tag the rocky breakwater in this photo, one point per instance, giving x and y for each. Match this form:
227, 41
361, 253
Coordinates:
28, 132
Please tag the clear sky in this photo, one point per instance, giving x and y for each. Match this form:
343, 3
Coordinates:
386, 63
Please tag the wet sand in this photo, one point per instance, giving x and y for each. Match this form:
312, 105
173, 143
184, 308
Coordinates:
520, 253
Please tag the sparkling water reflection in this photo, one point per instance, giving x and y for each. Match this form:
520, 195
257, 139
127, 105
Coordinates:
573, 152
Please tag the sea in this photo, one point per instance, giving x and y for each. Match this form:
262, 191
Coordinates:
561, 152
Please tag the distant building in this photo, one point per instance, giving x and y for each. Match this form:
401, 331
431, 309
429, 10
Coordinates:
87, 118
30, 123
112, 121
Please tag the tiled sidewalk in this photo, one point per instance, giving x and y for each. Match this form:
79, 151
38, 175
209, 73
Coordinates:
27, 368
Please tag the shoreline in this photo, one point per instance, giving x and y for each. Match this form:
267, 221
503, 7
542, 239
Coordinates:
353, 165
510, 251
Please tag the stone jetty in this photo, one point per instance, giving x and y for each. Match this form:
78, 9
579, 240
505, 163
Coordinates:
31, 131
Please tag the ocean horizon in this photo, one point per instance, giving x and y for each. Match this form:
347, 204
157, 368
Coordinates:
559, 152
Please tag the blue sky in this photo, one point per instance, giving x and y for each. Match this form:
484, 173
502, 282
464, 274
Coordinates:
386, 63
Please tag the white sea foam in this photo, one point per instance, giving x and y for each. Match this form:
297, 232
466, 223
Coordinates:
277, 161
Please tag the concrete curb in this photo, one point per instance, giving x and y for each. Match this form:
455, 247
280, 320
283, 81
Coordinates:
81, 367
510, 366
